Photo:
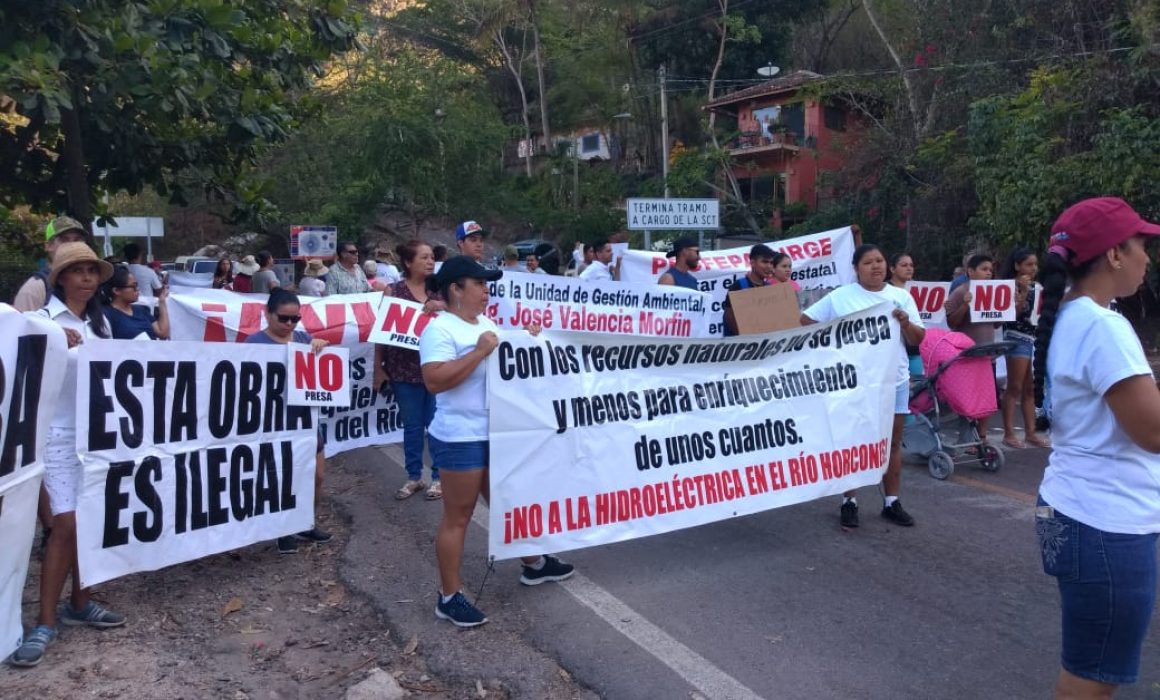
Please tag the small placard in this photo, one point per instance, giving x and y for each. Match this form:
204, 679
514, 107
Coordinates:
318, 379
992, 301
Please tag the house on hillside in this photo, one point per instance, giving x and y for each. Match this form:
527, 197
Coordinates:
786, 140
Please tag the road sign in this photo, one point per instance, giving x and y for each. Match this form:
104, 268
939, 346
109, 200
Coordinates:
137, 227
672, 214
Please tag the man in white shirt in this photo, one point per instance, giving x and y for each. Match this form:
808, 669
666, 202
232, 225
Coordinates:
148, 283
387, 272
601, 267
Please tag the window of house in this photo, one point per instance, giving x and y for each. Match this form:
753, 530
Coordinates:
766, 119
793, 118
834, 118
590, 143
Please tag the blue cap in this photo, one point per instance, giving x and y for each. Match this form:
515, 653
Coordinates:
468, 228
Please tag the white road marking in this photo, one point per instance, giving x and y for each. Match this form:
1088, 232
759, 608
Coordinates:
695, 669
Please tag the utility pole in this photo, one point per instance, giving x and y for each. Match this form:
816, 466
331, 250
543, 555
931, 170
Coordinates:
664, 129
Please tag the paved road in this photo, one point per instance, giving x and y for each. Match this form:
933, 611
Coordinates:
784, 604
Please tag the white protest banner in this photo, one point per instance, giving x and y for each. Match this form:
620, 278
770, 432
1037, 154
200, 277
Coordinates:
29, 345
189, 449
318, 379
371, 418
992, 301
567, 303
398, 322
931, 300
598, 439
820, 261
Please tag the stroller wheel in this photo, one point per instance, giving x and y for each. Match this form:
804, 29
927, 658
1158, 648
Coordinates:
940, 464
992, 458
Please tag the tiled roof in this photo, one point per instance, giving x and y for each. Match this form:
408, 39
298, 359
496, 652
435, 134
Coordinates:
773, 87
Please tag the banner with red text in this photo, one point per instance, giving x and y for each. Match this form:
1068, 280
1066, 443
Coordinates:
820, 261
571, 304
371, 418
992, 301
599, 439
32, 355
188, 449
931, 300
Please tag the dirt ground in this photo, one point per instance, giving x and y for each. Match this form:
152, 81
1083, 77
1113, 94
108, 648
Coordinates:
245, 624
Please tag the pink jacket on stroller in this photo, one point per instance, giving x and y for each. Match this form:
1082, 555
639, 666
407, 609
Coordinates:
967, 385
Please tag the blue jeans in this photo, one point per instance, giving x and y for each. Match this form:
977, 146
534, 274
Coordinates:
1107, 590
417, 406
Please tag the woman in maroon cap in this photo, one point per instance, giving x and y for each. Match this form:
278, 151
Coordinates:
1098, 515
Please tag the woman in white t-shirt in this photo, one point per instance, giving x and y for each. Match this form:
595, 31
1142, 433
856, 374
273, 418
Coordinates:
1098, 515
452, 354
75, 306
872, 289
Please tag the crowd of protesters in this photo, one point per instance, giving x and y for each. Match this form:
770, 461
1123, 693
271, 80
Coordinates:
1098, 515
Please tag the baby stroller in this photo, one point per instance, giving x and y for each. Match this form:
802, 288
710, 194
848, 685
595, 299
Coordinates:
959, 374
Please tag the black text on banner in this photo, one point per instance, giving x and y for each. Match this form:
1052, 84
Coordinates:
189, 449
597, 439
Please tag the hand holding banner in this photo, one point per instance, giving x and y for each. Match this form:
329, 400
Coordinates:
992, 301
931, 300
318, 379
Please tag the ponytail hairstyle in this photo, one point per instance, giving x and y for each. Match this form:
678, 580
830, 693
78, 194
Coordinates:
278, 297
1006, 271
1054, 274
407, 253
893, 263
119, 279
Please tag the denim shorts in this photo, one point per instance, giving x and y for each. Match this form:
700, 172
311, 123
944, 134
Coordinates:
457, 456
1025, 345
1107, 591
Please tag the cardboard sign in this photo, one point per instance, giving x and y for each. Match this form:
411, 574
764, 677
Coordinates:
931, 300
765, 309
399, 322
318, 379
992, 301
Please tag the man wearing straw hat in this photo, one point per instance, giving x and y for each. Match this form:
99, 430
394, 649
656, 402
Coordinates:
244, 280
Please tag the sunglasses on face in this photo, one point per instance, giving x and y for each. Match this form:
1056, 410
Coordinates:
288, 318
350, 251
128, 286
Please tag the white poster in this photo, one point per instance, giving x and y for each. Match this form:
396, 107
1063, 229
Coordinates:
189, 449
318, 378
32, 351
820, 261
931, 300
398, 322
598, 439
992, 301
371, 417
566, 303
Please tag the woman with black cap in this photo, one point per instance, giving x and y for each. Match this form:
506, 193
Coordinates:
452, 351
1098, 515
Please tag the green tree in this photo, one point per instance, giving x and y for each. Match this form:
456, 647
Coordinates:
102, 95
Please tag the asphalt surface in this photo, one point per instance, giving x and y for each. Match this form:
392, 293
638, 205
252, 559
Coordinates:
784, 604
